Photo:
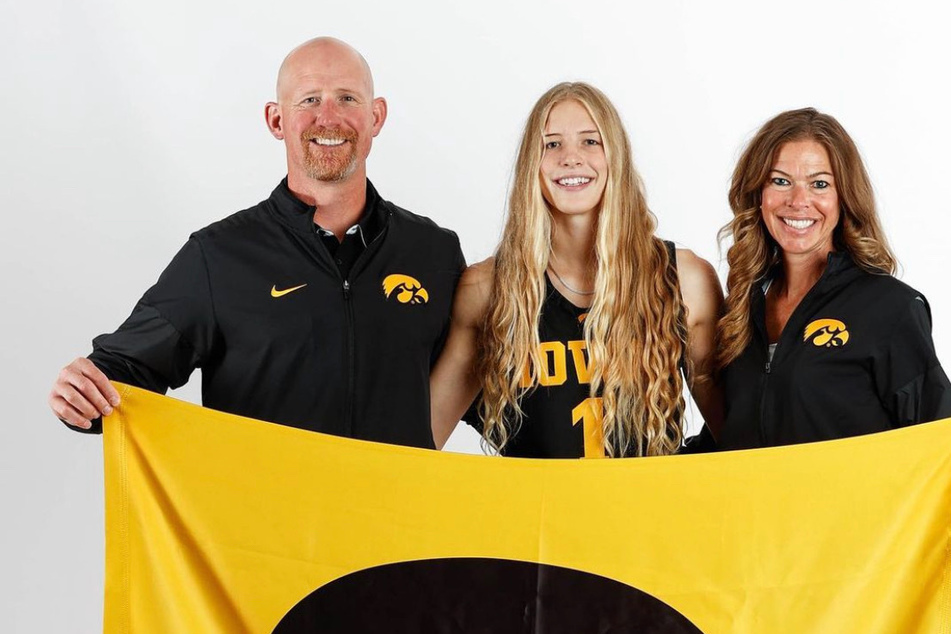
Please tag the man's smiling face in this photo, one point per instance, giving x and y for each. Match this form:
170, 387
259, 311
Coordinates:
326, 113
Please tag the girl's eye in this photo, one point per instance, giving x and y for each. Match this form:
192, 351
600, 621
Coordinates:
551, 145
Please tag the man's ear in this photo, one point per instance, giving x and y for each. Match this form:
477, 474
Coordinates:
275, 122
379, 114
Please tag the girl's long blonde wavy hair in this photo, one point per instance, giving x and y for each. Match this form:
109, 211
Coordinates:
754, 252
635, 327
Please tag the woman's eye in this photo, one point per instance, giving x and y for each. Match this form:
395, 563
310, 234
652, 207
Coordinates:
551, 145
592, 142
820, 184
779, 181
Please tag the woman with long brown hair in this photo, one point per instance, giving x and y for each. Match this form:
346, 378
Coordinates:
819, 340
577, 330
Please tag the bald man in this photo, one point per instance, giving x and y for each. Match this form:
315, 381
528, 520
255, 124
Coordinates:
322, 307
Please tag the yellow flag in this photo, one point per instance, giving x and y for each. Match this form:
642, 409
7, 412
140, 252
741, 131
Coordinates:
217, 523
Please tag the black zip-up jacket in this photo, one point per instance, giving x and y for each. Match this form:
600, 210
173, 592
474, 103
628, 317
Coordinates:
257, 302
855, 357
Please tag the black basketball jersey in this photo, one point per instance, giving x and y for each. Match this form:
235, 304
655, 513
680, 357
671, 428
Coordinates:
560, 415
562, 419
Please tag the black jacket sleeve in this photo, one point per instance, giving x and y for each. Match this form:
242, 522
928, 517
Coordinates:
171, 330
908, 376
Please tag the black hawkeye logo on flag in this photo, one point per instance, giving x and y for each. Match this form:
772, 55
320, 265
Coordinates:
480, 595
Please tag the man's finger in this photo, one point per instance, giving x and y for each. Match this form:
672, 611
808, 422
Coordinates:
78, 402
83, 392
67, 413
101, 381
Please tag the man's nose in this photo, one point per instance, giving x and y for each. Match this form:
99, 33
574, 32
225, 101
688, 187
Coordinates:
328, 113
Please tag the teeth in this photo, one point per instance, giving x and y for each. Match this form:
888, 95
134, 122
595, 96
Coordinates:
573, 181
799, 224
320, 141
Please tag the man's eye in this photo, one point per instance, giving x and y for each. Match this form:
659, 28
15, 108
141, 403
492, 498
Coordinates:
309, 100
348, 98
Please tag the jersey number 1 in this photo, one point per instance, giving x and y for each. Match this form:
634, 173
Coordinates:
589, 413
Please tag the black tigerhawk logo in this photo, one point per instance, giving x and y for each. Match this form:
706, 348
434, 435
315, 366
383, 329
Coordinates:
830, 333
406, 289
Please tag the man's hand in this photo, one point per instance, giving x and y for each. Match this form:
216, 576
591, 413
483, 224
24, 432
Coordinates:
82, 393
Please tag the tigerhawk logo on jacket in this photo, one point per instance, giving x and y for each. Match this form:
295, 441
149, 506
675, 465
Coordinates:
830, 333
406, 289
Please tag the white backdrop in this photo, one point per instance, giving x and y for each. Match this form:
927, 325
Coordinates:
127, 125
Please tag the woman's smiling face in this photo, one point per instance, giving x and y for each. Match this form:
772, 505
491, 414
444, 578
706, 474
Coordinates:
574, 168
800, 203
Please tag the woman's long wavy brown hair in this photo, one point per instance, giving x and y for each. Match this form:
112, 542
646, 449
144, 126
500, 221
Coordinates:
635, 327
754, 252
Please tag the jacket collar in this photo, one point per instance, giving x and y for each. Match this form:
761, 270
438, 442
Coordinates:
837, 263
840, 270
298, 216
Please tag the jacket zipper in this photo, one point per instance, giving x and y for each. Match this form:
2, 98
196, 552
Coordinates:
351, 337
796, 312
351, 356
322, 254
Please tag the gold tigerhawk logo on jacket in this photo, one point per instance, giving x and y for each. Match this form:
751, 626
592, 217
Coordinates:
830, 333
407, 289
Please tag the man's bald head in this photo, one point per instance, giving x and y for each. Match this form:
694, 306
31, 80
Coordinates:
324, 55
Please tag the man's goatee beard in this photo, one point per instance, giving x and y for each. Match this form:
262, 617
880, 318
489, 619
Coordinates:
336, 167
